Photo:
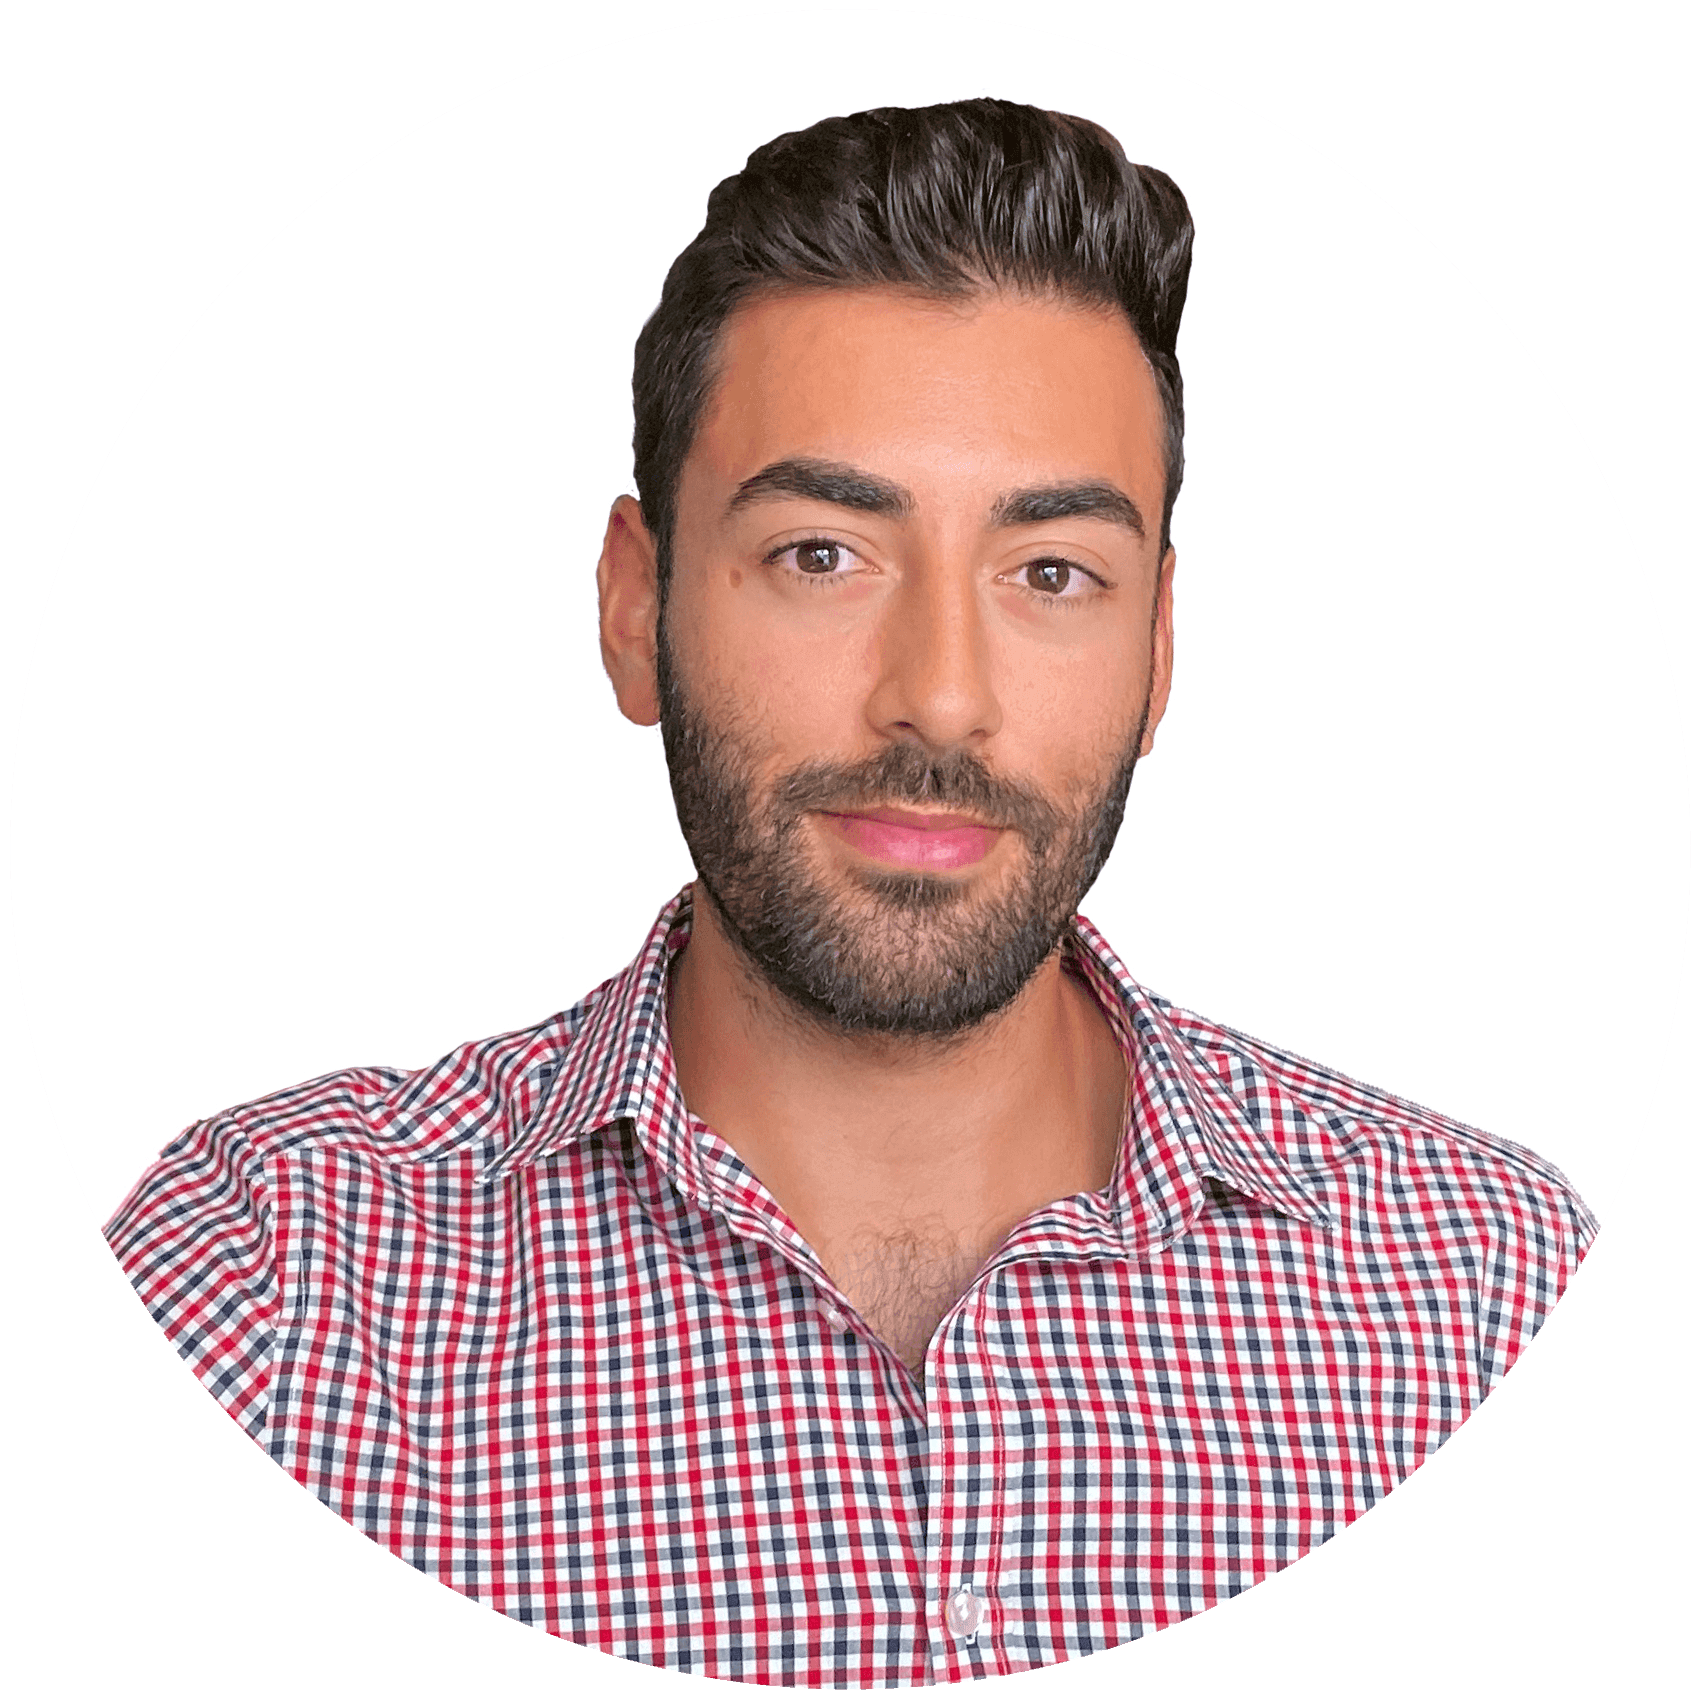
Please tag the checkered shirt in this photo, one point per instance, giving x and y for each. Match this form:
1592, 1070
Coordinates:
526, 1322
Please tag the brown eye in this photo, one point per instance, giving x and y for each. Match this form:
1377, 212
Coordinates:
818, 557
1048, 576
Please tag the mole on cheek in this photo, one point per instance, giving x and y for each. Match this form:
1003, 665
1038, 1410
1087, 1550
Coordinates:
736, 577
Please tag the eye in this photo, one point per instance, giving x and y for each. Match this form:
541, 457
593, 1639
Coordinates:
1055, 579
815, 558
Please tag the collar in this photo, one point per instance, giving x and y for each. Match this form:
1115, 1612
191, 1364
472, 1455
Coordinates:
618, 1065
1185, 1126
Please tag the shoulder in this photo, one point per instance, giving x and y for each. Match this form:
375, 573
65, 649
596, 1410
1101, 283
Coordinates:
472, 1099
1390, 1158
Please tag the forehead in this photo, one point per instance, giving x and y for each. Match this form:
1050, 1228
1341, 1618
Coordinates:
995, 386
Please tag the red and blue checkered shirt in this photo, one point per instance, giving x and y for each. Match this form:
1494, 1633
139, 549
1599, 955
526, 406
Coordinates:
525, 1321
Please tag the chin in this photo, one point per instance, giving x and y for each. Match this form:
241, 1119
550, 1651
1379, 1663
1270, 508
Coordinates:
914, 890
900, 953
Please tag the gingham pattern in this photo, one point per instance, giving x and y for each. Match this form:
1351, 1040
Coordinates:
527, 1323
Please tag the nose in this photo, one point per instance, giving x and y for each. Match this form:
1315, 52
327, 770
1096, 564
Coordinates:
934, 681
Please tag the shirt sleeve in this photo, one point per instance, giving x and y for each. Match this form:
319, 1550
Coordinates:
1526, 1268
195, 1238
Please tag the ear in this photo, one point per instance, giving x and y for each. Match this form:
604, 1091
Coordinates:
1163, 649
627, 608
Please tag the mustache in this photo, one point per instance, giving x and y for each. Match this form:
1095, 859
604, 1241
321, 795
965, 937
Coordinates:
909, 775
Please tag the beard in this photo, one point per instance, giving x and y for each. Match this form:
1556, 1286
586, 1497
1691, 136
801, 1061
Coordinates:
899, 953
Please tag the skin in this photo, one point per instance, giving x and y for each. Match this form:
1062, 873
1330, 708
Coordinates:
904, 1162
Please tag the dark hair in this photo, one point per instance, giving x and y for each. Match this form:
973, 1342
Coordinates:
946, 199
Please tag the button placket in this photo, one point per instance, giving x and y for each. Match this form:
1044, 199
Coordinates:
964, 1411
965, 1613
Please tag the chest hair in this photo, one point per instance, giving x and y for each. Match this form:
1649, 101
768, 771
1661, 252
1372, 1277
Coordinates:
903, 1281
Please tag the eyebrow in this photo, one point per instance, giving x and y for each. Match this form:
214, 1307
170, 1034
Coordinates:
847, 486
1089, 499
825, 481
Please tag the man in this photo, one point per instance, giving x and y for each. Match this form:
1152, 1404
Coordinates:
872, 1284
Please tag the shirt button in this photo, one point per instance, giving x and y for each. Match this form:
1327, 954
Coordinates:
964, 1612
832, 1316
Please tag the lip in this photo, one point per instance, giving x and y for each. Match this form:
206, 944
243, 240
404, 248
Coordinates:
909, 838
923, 821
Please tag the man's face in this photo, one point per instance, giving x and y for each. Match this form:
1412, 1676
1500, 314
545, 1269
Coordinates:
917, 633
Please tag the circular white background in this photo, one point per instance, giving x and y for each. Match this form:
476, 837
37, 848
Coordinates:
319, 767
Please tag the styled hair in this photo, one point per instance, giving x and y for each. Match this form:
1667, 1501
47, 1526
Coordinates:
948, 200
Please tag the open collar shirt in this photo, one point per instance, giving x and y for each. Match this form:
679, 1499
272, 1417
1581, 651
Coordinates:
526, 1322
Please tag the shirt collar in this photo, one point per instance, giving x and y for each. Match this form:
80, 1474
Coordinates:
1185, 1125
619, 1064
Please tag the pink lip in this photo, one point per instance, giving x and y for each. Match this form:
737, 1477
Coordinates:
909, 839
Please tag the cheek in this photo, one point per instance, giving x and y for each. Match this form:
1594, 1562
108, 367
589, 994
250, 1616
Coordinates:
793, 694
1072, 713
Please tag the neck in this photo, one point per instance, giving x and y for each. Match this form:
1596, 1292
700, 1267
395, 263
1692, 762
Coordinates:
964, 1135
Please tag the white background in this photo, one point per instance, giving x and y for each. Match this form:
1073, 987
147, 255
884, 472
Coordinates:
316, 337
